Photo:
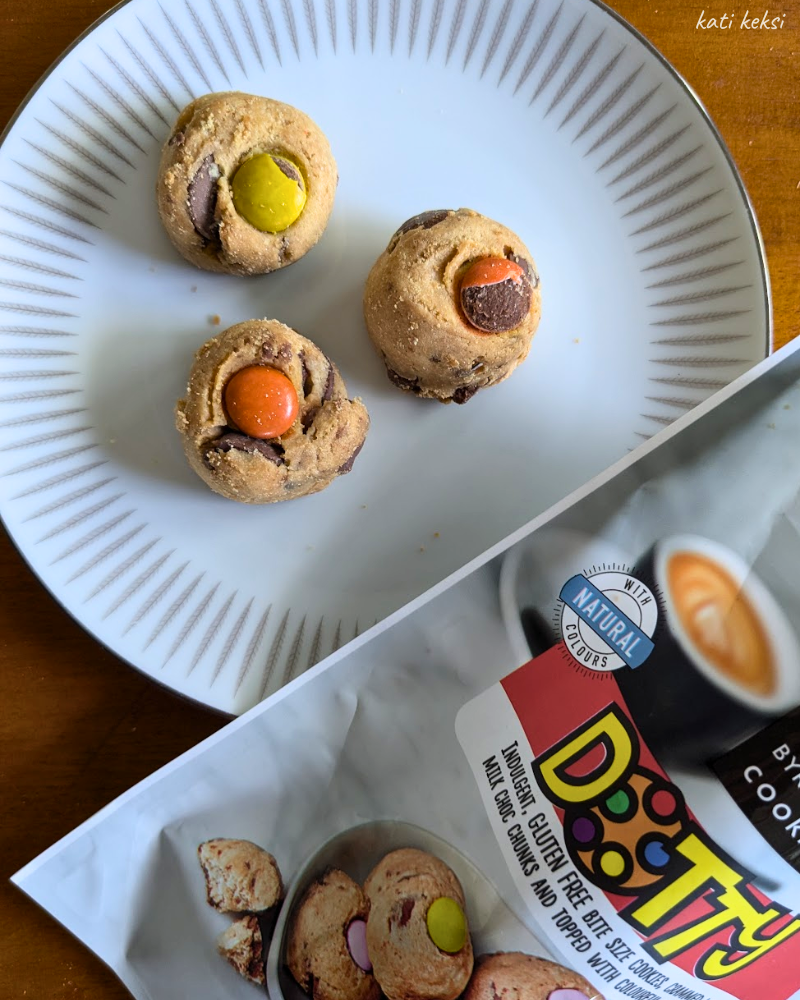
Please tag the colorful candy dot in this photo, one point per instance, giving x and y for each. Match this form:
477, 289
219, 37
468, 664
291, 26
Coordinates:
357, 944
261, 402
269, 192
613, 864
447, 925
663, 803
656, 855
619, 802
583, 830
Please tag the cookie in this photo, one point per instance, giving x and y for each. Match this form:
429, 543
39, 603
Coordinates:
266, 415
240, 876
245, 184
242, 945
326, 946
417, 933
452, 304
514, 976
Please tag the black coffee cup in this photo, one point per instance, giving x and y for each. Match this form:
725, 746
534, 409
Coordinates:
687, 707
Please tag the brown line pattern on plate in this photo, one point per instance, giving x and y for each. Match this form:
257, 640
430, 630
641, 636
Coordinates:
288, 16
659, 174
558, 59
497, 35
252, 648
475, 32
250, 31
575, 73
72, 170
665, 193
676, 213
134, 86
293, 657
435, 24
37, 267
108, 551
93, 535
155, 598
121, 570
191, 623
592, 88
45, 460
228, 34
44, 438
609, 103
120, 102
518, 41
55, 206
32, 241
230, 642
68, 499
207, 40
141, 580
168, 61
637, 138
269, 24
64, 477
703, 296
84, 515
210, 633
539, 49
274, 653
101, 113
92, 133
41, 418
173, 610
188, 50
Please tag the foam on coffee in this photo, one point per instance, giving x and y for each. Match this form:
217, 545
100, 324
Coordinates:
720, 622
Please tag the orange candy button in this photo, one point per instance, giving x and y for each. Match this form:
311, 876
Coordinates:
261, 402
490, 270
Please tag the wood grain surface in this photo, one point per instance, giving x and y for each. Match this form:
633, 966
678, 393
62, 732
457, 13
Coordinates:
78, 725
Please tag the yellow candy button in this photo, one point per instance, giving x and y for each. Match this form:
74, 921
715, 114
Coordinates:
269, 192
447, 925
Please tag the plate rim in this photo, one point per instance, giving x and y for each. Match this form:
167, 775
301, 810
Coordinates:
768, 347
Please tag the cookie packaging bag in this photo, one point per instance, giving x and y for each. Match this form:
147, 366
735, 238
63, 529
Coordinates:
571, 771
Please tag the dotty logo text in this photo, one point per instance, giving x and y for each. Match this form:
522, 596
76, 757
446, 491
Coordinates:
628, 831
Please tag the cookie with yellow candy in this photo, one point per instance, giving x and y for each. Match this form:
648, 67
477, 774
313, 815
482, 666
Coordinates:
417, 931
245, 184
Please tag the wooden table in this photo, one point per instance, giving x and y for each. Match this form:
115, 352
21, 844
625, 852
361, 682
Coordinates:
78, 726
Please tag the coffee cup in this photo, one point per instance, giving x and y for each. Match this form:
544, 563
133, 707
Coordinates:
725, 658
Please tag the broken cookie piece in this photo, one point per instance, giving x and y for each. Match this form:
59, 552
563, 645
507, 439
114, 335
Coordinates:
242, 945
240, 876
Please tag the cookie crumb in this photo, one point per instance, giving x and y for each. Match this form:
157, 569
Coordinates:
422, 548
576, 340
215, 320
436, 534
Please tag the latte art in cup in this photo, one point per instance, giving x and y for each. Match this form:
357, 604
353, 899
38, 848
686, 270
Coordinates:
720, 622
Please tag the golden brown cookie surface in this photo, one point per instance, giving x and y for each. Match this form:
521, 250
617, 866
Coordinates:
452, 304
407, 963
241, 877
515, 976
318, 953
321, 444
213, 138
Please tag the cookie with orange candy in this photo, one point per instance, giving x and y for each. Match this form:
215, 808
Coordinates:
452, 304
266, 415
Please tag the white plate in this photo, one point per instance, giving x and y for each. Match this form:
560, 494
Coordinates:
552, 117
